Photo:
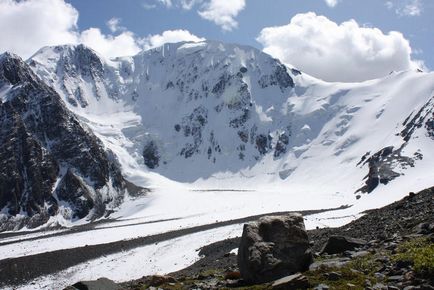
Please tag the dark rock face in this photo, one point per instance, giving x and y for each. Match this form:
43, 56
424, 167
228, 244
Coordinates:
72, 190
381, 167
279, 77
424, 116
193, 126
151, 156
273, 247
39, 136
281, 144
340, 244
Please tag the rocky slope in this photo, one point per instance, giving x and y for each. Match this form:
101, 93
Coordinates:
49, 162
394, 254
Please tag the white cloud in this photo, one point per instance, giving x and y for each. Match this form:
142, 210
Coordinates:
114, 24
169, 36
223, 12
148, 6
331, 3
54, 22
405, 7
188, 4
337, 52
111, 46
167, 3
26, 26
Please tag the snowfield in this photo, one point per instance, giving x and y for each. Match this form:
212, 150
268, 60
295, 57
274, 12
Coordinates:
208, 170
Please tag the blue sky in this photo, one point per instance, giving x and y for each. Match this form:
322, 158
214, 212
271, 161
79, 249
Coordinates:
140, 24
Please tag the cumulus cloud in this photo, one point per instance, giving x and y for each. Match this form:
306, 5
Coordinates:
223, 12
54, 22
28, 25
337, 52
169, 36
110, 46
331, 3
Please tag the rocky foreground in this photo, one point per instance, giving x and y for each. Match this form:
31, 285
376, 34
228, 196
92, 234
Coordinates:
388, 248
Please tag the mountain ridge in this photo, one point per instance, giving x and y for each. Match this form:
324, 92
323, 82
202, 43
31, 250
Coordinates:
239, 118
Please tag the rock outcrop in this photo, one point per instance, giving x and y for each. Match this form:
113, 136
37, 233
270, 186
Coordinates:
273, 247
47, 158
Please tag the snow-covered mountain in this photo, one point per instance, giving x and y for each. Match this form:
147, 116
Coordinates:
215, 115
50, 163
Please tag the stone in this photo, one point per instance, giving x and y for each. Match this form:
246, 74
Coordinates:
329, 263
157, 280
100, 284
232, 275
296, 281
322, 287
274, 247
396, 278
333, 276
340, 244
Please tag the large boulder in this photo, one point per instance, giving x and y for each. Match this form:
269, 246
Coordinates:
274, 247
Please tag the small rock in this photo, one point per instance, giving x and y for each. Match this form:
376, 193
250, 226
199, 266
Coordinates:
333, 276
322, 287
392, 288
424, 228
359, 254
158, 280
350, 286
379, 286
296, 281
396, 278
330, 263
100, 284
340, 244
409, 276
232, 275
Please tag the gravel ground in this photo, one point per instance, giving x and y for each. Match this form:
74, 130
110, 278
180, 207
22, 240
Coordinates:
17, 271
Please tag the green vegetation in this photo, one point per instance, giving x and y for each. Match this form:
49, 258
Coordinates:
353, 275
420, 253
356, 274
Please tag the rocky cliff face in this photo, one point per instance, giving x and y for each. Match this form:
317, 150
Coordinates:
48, 160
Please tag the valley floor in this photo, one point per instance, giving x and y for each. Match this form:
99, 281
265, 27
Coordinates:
160, 234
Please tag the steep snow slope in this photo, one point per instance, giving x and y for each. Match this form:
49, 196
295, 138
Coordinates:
230, 116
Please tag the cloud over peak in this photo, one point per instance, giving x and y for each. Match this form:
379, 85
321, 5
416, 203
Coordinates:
337, 52
54, 22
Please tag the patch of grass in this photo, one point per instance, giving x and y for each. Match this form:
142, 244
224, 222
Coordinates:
356, 272
420, 253
365, 264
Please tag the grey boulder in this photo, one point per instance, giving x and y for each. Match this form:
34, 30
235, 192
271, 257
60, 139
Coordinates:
274, 247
